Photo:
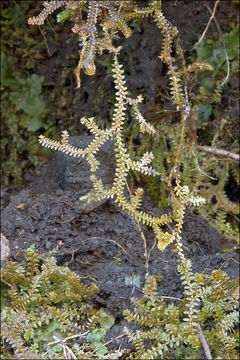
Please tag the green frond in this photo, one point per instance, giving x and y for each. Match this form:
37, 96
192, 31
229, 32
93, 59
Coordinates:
49, 7
225, 203
217, 92
235, 172
13, 325
168, 33
196, 66
14, 274
32, 262
63, 15
136, 340
144, 125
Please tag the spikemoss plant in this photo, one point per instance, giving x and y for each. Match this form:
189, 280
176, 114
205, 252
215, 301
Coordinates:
164, 326
45, 303
176, 327
204, 168
91, 43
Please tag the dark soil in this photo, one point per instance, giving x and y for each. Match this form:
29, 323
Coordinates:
103, 245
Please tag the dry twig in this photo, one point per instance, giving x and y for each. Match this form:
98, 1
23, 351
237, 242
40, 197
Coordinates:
219, 152
204, 342
209, 22
212, 17
223, 41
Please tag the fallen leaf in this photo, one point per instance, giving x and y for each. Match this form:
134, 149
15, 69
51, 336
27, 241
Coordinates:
19, 206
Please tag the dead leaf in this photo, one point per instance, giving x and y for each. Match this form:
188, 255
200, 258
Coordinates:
19, 206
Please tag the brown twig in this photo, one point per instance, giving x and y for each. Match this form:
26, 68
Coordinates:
111, 240
66, 350
209, 21
212, 12
223, 41
230, 258
44, 37
110, 341
204, 342
51, 27
170, 297
219, 152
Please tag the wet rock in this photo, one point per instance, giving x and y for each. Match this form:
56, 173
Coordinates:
204, 238
75, 172
45, 179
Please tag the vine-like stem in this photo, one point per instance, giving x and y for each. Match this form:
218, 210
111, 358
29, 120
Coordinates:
143, 237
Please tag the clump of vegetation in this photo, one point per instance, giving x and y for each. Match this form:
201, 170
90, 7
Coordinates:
210, 156
49, 296
23, 108
206, 317
22, 113
180, 174
46, 312
217, 138
91, 43
209, 153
